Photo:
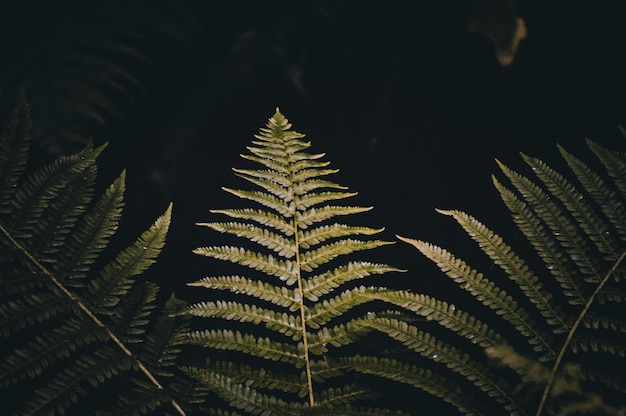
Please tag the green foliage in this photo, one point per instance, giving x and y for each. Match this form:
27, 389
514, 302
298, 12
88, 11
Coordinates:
300, 301
555, 326
80, 332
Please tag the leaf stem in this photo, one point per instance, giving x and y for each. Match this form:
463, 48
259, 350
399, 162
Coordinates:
91, 316
307, 360
570, 335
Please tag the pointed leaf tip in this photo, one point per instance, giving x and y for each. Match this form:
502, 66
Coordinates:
445, 211
405, 239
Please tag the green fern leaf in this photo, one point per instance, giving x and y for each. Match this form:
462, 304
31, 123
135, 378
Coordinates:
14, 152
423, 379
260, 378
493, 245
30, 360
312, 259
116, 277
241, 396
249, 344
546, 246
278, 295
574, 201
445, 314
600, 192
92, 235
428, 346
486, 292
322, 312
574, 326
266, 238
257, 261
565, 231
280, 322
318, 235
71, 328
303, 311
317, 286
613, 162
65, 389
21, 313
315, 215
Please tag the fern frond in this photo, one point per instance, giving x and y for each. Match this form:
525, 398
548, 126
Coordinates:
281, 206
48, 201
269, 264
444, 314
165, 337
334, 397
258, 378
308, 200
133, 311
22, 313
264, 180
68, 326
303, 187
575, 202
14, 142
116, 276
249, 344
292, 224
276, 321
322, 312
578, 234
337, 336
240, 396
30, 360
546, 246
66, 388
93, 232
428, 346
502, 254
613, 162
600, 192
302, 176
320, 234
316, 286
562, 228
262, 217
486, 292
278, 295
418, 377
314, 215
270, 163
259, 235
312, 259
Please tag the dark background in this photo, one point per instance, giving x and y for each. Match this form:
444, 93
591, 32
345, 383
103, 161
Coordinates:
410, 106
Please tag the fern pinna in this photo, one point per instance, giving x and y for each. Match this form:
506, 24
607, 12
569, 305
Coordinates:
80, 334
561, 335
297, 290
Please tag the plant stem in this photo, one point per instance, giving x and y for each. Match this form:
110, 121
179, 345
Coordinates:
570, 335
307, 360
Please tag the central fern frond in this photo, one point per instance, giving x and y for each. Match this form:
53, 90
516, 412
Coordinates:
301, 297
